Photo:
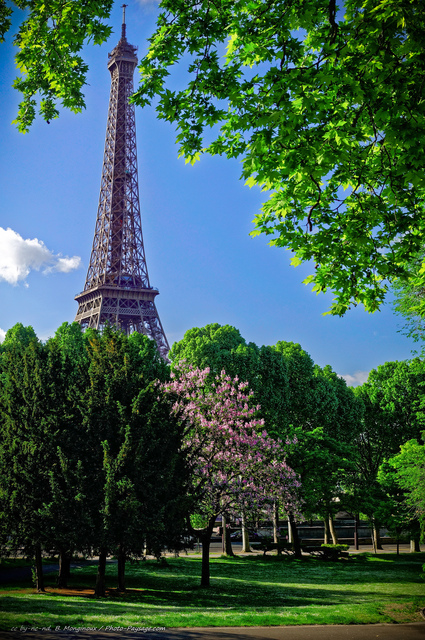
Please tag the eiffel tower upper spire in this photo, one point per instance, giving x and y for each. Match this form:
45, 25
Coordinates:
117, 289
123, 27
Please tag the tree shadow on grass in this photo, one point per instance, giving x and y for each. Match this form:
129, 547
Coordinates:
141, 603
265, 584
258, 571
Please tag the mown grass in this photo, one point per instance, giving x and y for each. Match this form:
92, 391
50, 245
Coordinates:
244, 591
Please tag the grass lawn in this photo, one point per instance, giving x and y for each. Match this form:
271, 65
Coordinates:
244, 591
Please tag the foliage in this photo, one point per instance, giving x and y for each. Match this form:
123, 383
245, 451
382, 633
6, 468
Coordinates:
5, 19
409, 467
340, 416
323, 105
318, 398
394, 511
325, 467
325, 109
233, 464
311, 407
393, 412
337, 547
393, 398
89, 456
410, 301
324, 416
50, 40
223, 348
211, 346
302, 404
27, 444
19, 335
134, 472
288, 386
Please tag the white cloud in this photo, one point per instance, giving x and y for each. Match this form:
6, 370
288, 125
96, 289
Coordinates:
64, 265
359, 377
2, 335
18, 257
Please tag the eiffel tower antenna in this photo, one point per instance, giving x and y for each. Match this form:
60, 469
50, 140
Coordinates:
117, 291
123, 20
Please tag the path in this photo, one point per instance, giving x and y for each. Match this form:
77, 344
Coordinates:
413, 631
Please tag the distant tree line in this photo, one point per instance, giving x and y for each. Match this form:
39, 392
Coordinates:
106, 449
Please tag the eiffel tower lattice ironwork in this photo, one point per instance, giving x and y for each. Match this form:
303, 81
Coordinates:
117, 289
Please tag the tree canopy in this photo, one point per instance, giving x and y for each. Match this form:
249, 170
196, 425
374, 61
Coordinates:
393, 413
223, 348
50, 40
393, 403
310, 408
322, 103
410, 301
324, 106
409, 467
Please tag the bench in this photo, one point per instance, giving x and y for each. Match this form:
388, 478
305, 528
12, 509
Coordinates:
333, 552
268, 545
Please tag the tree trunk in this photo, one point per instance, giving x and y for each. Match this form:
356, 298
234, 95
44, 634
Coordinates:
229, 549
276, 522
327, 533
356, 532
290, 537
121, 567
332, 529
245, 536
372, 534
64, 569
205, 575
414, 545
295, 538
226, 542
376, 535
205, 537
39, 577
100, 578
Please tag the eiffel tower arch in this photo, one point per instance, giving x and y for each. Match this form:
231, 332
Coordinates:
117, 290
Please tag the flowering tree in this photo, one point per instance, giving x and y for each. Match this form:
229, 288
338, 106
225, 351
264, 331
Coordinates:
234, 465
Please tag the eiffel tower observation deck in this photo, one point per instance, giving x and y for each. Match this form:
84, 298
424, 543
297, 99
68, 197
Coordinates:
117, 291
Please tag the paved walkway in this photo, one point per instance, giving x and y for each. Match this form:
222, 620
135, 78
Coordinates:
413, 631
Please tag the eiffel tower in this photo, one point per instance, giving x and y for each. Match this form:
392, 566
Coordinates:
117, 291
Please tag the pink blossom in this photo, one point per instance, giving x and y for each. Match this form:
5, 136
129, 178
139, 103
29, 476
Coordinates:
233, 460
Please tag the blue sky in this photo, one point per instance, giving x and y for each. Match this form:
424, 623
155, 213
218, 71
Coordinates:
196, 223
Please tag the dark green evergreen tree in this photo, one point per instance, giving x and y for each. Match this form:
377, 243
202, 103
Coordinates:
69, 509
136, 471
26, 445
90, 459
